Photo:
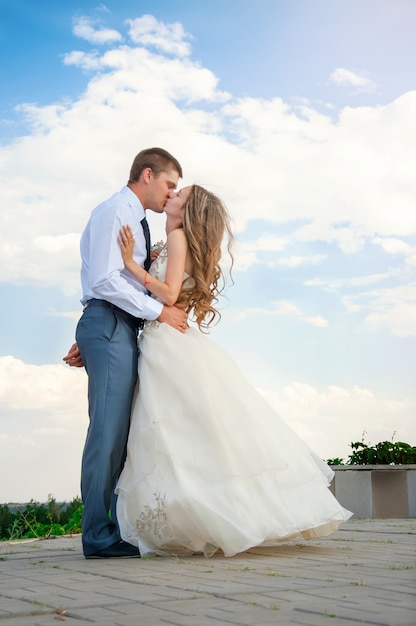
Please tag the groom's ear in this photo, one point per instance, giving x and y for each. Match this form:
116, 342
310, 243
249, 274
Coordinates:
147, 174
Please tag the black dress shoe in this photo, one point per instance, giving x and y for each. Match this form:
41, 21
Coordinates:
118, 550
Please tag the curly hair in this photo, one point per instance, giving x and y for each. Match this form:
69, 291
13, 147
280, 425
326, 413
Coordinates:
206, 223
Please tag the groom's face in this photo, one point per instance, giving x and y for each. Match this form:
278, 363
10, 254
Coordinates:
160, 189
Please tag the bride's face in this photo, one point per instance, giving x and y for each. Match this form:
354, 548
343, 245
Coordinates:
174, 207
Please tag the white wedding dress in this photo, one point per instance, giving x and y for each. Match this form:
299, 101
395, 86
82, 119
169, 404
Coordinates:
210, 465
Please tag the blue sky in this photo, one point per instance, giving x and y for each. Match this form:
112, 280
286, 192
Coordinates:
301, 116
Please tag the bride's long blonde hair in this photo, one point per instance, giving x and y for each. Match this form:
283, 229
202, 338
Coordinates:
206, 224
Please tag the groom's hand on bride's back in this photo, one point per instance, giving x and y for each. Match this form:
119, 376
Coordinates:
73, 358
175, 317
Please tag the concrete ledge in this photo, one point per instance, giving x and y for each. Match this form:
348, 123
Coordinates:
376, 491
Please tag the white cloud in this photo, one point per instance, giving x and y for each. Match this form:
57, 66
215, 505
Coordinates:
395, 246
248, 253
296, 260
130, 74
370, 279
319, 321
61, 244
84, 60
43, 421
84, 28
348, 78
282, 308
329, 419
392, 245
347, 181
25, 387
337, 284
19, 441
72, 315
168, 38
349, 238
392, 307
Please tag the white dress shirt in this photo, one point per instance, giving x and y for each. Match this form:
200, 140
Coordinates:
103, 274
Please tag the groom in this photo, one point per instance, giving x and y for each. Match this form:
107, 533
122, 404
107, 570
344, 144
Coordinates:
115, 305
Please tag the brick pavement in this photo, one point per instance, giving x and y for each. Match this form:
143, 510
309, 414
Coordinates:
364, 574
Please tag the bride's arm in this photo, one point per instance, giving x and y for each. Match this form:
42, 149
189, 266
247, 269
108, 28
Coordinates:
167, 291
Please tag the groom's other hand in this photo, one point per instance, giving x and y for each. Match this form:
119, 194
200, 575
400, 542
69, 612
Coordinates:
175, 316
73, 358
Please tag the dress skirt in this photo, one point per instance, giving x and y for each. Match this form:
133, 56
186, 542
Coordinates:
210, 464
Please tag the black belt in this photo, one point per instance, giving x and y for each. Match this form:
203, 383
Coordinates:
138, 322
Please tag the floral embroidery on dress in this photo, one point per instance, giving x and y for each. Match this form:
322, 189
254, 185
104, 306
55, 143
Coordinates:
151, 325
154, 520
156, 267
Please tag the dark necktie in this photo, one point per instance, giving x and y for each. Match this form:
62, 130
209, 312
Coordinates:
146, 232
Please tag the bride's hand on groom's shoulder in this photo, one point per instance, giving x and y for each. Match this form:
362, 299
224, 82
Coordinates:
73, 358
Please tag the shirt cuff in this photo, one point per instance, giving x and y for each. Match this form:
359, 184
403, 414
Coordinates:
153, 308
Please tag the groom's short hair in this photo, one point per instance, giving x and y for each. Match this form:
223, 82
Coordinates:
157, 159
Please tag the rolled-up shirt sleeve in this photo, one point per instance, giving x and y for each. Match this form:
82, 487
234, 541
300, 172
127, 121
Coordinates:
103, 274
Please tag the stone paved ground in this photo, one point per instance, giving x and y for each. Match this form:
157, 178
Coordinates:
364, 574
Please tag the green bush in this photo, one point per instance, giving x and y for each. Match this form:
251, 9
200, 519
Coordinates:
336, 461
6, 520
73, 526
382, 453
36, 520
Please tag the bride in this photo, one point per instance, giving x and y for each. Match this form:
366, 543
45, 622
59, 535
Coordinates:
210, 465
